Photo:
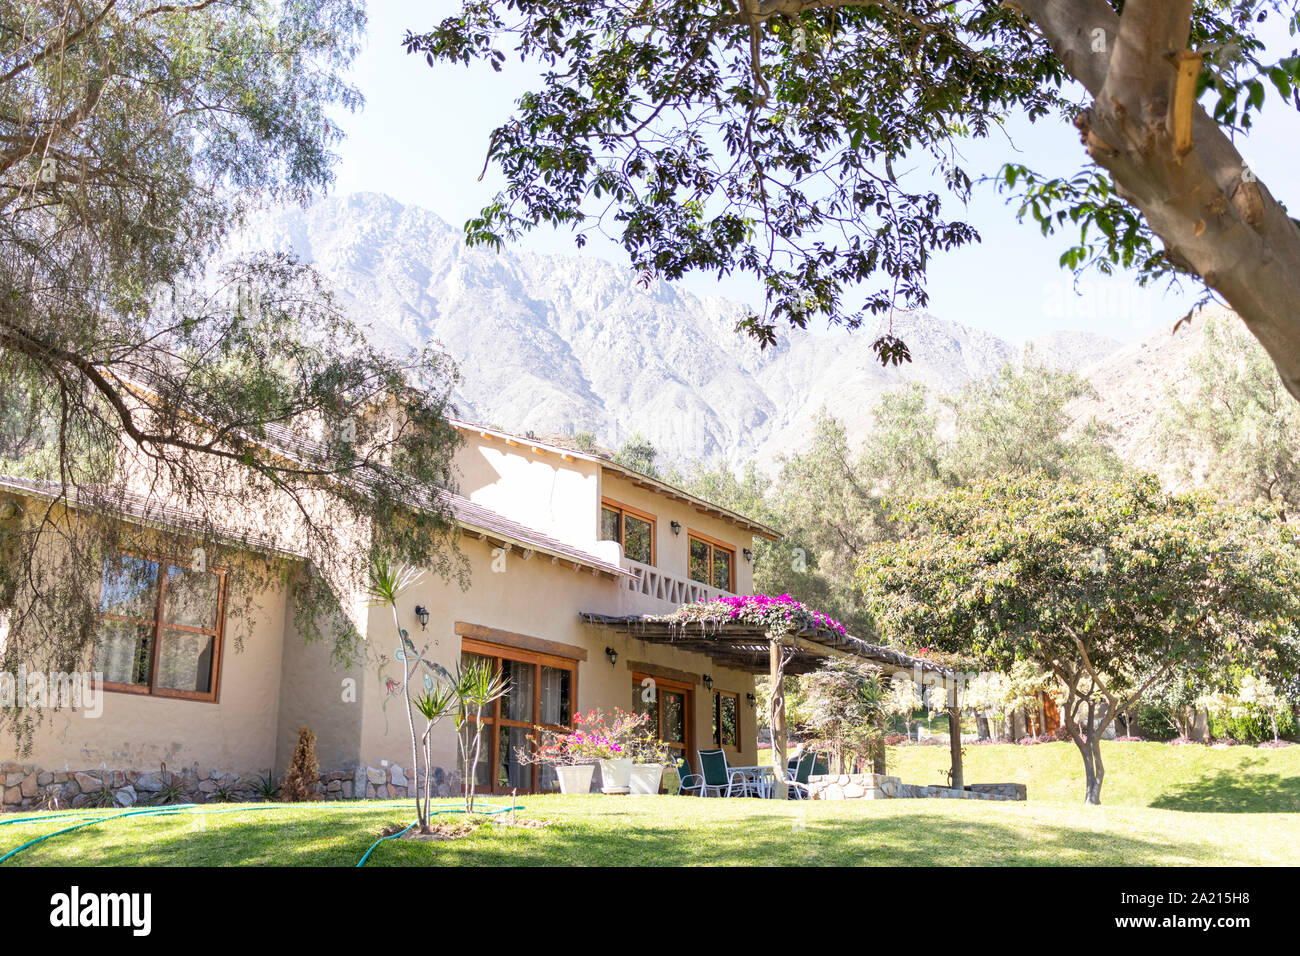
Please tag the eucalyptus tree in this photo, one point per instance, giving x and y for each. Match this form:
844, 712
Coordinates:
1236, 429
798, 140
1111, 587
1018, 420
145, 366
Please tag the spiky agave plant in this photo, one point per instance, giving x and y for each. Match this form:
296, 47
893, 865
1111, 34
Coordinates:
434, 704
385, 585
477, 685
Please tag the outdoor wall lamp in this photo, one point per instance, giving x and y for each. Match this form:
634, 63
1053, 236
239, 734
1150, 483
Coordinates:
676, 526
612, 655
749, 555
751, 700
708, 682
422, 615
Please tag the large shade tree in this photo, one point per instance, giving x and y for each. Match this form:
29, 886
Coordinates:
148, 368
1110, 586
774, 137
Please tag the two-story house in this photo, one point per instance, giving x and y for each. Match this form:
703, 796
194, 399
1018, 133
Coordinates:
549, 534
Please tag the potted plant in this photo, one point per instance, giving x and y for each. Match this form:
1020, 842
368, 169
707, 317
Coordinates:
597, 738
563, 752
650, 756
608, 739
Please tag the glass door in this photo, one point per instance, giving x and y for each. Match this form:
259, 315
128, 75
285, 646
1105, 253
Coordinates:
669, 705
540, 693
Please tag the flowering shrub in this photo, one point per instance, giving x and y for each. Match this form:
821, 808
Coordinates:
779, 615
595, 736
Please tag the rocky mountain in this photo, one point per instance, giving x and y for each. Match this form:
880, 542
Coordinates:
1133, 384
565, 344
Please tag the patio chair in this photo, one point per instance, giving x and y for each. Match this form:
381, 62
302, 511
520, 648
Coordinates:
718, 776
687, 782
797, 780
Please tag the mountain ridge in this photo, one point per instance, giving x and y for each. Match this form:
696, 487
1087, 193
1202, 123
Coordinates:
562, 344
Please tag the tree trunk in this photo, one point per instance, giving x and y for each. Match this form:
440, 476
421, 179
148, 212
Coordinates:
1094, 772
982, 726
954, 748
1174, 163
878, 758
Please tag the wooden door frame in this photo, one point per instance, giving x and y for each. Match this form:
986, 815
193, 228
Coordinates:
689, 745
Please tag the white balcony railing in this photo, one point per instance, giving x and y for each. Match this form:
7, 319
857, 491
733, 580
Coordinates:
667, 588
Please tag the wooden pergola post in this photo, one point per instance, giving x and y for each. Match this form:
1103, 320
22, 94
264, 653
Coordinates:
777, 715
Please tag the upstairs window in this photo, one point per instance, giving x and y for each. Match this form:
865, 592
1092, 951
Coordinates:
634, 530
159, 628
712, 563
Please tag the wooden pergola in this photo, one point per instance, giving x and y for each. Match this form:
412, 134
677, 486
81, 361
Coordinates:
750, 647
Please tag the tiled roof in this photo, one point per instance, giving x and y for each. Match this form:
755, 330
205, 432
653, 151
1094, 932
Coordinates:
139, 507
475, 517
637, 477
472, 517
300, 449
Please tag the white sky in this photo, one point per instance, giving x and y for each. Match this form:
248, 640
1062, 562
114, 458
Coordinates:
422, 136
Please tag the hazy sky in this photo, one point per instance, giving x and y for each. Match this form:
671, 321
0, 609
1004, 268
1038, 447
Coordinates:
422, 135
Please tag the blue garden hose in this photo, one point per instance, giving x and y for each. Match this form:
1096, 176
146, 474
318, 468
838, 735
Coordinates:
488, 810
198, 809
391, 836
90, 823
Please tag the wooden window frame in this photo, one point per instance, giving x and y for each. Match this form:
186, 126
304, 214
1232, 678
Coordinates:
689, 749
494, 720
625, 510
717, 720
714, 546
218, 635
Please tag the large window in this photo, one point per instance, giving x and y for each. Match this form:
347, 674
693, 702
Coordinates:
726, 720
634, 530
541, 693
159, 628
712, 563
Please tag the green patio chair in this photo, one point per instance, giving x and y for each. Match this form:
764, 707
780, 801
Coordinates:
687, 782
797, 780
718, 776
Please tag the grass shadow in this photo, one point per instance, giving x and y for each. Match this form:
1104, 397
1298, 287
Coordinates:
1230, 791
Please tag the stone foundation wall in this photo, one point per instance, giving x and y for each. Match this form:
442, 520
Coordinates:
1012, 791
878, 786
28, 787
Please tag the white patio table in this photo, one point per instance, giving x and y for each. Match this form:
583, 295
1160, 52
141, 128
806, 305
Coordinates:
759, 781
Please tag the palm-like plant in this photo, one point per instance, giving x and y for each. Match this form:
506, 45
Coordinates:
386, 584
477, 684
434, 704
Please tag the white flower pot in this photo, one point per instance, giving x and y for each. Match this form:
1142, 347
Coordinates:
576, 779
615, 774
646, 777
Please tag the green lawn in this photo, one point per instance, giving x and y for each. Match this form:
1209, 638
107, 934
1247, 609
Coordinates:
1156, 814
1193, 777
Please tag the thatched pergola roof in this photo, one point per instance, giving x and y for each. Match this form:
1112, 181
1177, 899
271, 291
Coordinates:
747, 646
